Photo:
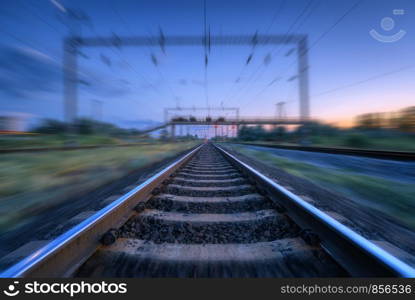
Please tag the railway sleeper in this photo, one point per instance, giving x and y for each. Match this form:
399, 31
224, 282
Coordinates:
174, 227
231, 204
289, 257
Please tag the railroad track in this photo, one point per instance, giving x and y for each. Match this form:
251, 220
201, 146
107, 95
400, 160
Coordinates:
210, 215
379, 154
70, 148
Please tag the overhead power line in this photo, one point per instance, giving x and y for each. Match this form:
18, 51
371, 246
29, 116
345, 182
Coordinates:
364, 80
319, 39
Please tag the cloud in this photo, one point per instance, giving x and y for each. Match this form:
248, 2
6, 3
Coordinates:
24, 71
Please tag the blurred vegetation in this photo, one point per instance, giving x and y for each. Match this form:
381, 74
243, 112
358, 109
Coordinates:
83, 132
394, 131
393, 198
403, 120
33, 182
83, 126
56, 140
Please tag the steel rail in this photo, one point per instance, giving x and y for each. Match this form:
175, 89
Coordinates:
61, 256
355, 253
65, 253
378, 154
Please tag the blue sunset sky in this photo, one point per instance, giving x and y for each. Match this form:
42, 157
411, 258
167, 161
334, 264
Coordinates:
350, 72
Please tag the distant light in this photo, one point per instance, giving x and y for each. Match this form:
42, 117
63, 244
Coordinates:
58, 5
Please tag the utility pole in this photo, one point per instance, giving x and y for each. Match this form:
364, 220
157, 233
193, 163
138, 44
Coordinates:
70, 79
166, 115
73, 43
173, 133
280, 110
73, 19
237, 120
303, 80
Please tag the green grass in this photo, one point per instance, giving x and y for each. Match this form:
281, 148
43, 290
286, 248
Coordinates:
32, 182
391, 143
40, 141
395, 199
